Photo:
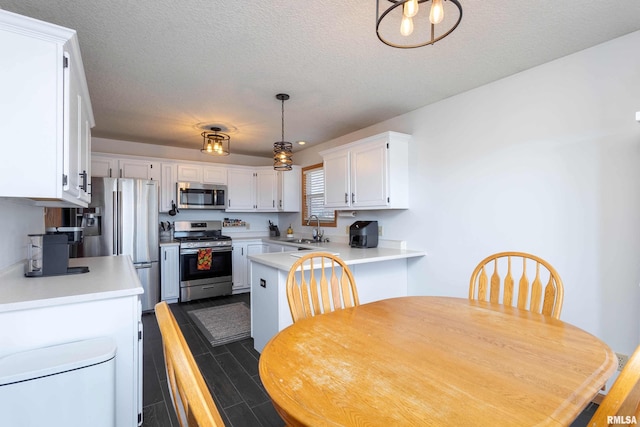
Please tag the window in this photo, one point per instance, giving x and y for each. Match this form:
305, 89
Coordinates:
313, 196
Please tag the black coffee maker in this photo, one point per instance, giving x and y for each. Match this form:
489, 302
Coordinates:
48, 254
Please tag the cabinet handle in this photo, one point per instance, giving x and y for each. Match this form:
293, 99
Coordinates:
83, 176
273, 203
346, 198
353, 197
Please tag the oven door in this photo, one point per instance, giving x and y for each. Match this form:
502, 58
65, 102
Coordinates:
219, 270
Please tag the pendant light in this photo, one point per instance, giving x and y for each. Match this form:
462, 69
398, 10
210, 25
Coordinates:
216, 143
282, 150
407, 24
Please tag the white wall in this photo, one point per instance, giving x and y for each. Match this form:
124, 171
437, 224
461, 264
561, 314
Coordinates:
546, 161
18, 219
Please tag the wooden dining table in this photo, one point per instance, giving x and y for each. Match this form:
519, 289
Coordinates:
433, 361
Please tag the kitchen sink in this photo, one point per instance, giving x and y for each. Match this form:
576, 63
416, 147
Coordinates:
306, 241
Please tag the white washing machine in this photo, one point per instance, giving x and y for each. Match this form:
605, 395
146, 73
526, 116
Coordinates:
66, 385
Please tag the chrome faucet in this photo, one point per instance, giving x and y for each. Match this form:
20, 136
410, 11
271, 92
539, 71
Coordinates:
317, 233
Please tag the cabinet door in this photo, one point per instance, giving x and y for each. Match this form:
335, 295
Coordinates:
85, 152
102, 166
337, 193
369, 175
239, 264
266, 190
139, 169
290, 190
189, 173
168, 186
214, 175
253, 248
241, 189
72, 129
169, 273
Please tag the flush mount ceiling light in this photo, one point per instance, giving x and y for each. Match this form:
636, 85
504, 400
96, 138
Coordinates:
407, 24
282, 150
216, 143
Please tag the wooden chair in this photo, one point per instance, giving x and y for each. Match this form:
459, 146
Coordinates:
529, 297
622, 403
320, 294
192, 401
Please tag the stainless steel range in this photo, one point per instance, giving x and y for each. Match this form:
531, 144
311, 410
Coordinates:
205, 259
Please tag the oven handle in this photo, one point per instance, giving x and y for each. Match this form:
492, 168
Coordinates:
195, 251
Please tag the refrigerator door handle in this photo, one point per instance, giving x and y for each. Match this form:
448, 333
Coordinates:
114, 236
143, 265
119, 222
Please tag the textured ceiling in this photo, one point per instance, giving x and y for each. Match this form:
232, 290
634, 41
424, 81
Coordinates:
158, 69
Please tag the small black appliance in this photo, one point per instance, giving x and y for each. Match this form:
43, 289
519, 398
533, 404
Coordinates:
363, 234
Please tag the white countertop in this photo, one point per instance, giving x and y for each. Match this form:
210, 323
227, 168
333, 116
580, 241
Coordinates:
108, 277
351, 256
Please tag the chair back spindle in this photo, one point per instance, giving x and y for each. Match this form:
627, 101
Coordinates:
531, 295
319, 282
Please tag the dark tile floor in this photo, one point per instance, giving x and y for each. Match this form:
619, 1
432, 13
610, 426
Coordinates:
230, 370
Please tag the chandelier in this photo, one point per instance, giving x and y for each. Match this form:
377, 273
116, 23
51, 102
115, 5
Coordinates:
216, 144
416, 23
282, 150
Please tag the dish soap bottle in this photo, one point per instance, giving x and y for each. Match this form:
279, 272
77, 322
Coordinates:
289, 231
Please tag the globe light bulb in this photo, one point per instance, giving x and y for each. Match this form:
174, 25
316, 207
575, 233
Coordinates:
406, 26
436, 15
410, 8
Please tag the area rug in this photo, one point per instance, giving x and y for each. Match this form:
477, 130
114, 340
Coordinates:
224, 323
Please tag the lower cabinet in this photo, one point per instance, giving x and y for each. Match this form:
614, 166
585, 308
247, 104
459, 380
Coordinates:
241, 264
170, 272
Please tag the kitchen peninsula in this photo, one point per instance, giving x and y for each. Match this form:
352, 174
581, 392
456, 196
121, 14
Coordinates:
380, 273
105, 302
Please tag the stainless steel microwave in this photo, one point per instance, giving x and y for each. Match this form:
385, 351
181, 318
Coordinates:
193, 195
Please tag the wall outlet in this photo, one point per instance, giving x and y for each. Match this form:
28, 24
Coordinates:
379, 230
347, 229
622, 360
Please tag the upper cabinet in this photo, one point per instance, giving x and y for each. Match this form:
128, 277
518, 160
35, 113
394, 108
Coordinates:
371, 173
263, 189
46, 117
116, 167
203, 174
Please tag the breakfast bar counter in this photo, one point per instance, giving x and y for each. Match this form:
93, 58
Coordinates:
380, 273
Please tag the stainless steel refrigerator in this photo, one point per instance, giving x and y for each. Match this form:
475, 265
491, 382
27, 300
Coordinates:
122, 219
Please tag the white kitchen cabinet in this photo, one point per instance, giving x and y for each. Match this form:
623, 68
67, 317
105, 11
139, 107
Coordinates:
142, 169
371, 173
49, 118
214, 175
202, 174
189, 173
56, 310
105, 165
266, 189
241, 189
263, 190
290, 190
170, 272
241, 266
168, 189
